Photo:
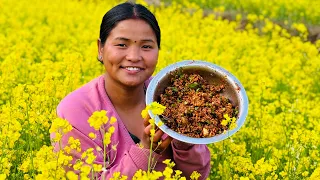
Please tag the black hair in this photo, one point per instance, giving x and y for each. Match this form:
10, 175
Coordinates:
127, 10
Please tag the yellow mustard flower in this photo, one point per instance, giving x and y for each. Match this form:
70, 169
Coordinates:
111, 129
72, 176
195, 175
92, 135
107, 139
144, 113
160, 124
113, 120
156, 108
97, 167
61, 126
98, 118
3, 176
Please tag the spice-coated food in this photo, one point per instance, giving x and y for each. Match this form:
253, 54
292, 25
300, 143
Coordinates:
194, 107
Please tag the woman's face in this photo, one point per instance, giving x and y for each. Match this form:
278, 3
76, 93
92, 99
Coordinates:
130, 53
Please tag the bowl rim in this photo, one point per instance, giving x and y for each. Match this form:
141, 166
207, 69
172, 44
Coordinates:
243, 98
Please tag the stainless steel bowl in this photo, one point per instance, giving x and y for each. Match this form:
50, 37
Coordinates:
213, 74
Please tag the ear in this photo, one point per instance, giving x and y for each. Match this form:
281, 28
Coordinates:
100, 50
100, 47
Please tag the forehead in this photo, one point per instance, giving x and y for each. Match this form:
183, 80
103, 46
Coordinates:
135, 29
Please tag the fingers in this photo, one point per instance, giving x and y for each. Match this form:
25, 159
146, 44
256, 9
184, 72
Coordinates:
146, 121
157, 135
147, 129
159, 148
163, 146
165, 143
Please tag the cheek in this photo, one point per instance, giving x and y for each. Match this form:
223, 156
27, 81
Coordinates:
112, 57
153, 59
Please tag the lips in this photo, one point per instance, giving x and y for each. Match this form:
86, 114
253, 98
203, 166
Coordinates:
132, 68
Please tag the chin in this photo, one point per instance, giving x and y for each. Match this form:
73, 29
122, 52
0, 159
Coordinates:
133, 81
133, 84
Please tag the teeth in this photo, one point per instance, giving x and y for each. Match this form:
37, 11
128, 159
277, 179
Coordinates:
132, 68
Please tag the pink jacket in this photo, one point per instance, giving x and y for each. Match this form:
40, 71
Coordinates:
79, 105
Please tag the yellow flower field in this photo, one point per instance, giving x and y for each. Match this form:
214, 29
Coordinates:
305, 11
48, 49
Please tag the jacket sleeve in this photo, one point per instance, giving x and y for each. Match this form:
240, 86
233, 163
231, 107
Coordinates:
190, 157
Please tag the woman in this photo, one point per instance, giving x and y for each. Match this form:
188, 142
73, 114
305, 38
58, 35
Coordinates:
128, 47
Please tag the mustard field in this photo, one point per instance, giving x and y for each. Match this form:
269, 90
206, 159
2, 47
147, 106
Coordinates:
305, 11
49, 48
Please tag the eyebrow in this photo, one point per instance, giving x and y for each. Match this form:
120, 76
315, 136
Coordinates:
122, 38
147, 40
126, 39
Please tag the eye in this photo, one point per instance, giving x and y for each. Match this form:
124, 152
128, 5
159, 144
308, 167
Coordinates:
147, 47
121, 45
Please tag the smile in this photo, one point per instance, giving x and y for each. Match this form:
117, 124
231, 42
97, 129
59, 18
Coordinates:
132, 68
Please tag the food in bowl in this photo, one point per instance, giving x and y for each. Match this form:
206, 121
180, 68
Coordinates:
196, 108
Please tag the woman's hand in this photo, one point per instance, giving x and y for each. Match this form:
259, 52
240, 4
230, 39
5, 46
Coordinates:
146, 139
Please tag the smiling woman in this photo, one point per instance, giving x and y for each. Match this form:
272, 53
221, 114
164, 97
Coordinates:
128, 47
130, 53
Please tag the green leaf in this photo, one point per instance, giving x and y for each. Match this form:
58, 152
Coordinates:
193, 85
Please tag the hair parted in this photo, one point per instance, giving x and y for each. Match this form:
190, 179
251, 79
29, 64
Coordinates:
127, 10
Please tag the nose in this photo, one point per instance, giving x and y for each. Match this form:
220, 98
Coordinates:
134, 54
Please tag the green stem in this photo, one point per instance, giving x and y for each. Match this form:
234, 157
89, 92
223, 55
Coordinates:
92, 172
60, 148
104, 148
150, 152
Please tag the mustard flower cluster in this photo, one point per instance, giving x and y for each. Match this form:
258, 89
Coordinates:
49, 49
154, 107
98, 119
231, 122
60, 127
305, 11
167, 174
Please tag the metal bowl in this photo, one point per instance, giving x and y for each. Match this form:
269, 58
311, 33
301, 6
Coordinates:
213, 74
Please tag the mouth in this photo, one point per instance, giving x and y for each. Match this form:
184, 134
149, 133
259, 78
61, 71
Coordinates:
132, 68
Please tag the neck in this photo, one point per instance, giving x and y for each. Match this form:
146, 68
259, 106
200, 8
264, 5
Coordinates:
123, 97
